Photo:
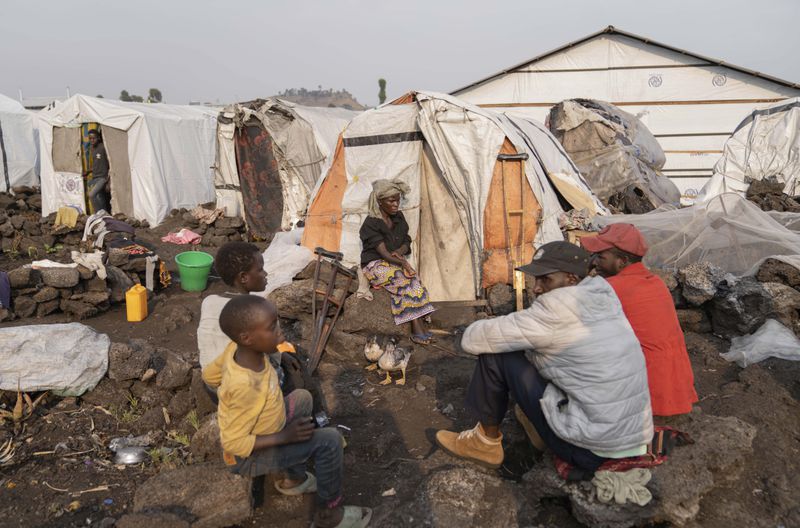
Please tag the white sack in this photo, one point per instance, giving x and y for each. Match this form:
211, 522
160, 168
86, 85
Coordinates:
771, 340
68, 359
285, 258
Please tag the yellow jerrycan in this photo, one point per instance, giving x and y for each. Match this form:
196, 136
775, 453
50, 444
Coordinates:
136, 303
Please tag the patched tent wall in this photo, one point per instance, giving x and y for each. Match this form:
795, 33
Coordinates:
441, 238
270, 155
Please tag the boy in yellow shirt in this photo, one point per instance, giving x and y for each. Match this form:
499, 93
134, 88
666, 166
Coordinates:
263, 432
241, 267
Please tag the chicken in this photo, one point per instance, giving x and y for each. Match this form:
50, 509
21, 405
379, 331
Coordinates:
382, 352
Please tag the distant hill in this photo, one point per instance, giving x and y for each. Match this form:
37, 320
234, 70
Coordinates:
320, 97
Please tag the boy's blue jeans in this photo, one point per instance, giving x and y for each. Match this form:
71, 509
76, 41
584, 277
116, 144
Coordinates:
324, 448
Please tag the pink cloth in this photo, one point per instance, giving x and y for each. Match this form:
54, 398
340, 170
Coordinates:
184, 236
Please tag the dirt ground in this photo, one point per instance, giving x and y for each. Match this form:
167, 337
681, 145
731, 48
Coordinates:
62, 475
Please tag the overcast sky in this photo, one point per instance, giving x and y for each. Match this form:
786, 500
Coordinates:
241, 49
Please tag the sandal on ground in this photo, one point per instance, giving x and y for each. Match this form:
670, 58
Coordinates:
354, 517
422, 339
307, 486
666, 439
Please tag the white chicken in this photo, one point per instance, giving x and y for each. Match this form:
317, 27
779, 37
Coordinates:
383, 353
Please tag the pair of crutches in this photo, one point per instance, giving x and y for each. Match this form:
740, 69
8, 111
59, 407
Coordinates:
323, 320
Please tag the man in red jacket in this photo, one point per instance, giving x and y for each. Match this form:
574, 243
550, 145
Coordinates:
648, 305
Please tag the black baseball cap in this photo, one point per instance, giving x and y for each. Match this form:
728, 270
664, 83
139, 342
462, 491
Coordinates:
558, 256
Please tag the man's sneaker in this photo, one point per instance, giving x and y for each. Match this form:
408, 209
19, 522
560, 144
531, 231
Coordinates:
473, 445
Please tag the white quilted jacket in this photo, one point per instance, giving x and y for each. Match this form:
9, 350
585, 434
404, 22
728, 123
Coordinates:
579, 339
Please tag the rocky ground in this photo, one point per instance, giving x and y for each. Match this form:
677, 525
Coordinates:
744, 469
63, 474
768, 195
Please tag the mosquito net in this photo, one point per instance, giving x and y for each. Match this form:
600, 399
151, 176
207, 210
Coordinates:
790, 221
727, 231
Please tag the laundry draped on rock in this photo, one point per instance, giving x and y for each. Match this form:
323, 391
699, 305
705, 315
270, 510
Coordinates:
184, 236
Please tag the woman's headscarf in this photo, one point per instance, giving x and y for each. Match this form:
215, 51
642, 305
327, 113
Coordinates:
383, 189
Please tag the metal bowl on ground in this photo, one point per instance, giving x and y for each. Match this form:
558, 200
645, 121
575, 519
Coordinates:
130, 455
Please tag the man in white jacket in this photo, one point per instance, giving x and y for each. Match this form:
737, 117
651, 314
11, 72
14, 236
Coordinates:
570, 360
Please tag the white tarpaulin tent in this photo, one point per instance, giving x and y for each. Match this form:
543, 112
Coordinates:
447, 152
18, 149
303, 140
689, 102
161, 156
766, 145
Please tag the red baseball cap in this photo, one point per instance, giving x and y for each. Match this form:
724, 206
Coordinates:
624, 237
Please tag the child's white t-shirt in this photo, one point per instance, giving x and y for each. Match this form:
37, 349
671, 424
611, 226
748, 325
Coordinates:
211, 340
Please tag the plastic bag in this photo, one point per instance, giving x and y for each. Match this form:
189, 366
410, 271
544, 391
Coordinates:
68, 359
285, 258
771, 340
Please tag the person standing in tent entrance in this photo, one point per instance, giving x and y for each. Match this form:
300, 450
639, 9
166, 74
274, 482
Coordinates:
385, 245
99, 185
648, 305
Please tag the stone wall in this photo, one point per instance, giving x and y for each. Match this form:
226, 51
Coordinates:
78, 292
24, 232
710, 300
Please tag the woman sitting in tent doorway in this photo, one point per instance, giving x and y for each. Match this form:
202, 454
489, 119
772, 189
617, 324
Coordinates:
385, 245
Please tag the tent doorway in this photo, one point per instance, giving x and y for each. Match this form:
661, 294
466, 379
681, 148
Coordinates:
87, 163
119, 170
72, 154
441, 238
259, 179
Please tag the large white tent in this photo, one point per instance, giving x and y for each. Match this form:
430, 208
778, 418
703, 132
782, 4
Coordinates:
455, 158
18, 149
691, 103
302, 140
161, 156
765, 145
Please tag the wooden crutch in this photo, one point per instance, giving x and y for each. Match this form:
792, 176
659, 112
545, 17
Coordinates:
323, 327
515, 253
